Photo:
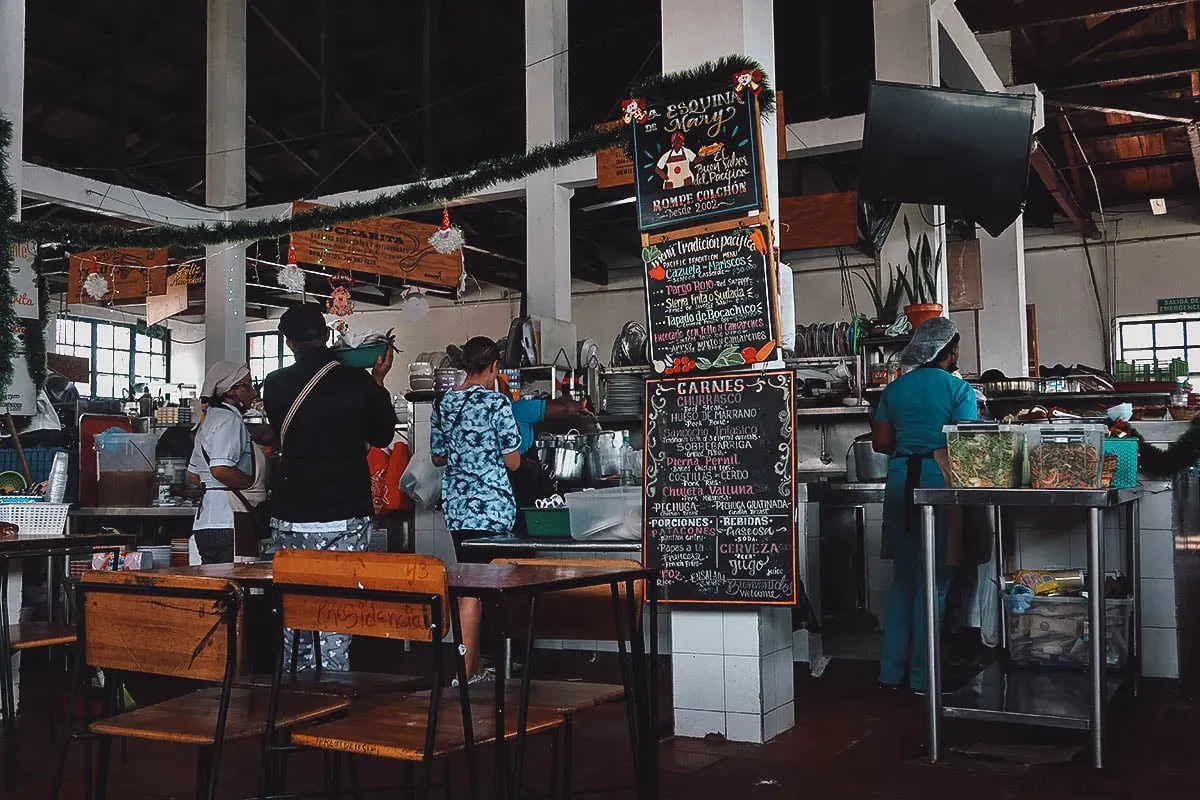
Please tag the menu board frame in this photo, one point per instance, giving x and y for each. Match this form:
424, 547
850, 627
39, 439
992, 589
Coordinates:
693, 360
702, 126
785, 467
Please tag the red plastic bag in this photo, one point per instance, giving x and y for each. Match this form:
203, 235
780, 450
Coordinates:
386, 469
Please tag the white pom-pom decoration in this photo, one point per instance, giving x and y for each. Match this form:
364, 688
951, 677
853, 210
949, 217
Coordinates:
447, 240
414, 308
96, 285
291, 277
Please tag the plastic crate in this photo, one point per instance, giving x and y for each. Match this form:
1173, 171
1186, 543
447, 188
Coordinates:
548, 522
40, 460
36, 519
984, 456
1126, 451
1054, 632
1080, 446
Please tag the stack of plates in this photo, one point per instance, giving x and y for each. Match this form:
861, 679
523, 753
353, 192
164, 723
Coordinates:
624, 393
179, 553
160, 556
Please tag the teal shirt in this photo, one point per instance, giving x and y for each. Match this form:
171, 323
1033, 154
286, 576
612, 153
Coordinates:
920, 403
528, 412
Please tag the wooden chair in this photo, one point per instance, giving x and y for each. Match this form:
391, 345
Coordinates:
180, 627
582, 614
391, 596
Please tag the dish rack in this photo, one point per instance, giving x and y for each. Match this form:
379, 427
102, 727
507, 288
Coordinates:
36, 519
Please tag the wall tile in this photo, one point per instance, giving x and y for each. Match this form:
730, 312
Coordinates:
766, 671
1157, 511
1044, 548
697, 632
698, 681
743, 684
1158, 603
1158, 554
548, 644
785, 679
1160, 653
695, 724
744, 728
779, 721
741, 633
880, 574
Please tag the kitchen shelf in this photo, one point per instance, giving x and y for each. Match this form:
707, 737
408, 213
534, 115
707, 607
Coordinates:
883, 341
1043, 698
834, 411
1063, 398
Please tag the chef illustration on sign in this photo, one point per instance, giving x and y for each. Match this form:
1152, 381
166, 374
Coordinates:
675, 165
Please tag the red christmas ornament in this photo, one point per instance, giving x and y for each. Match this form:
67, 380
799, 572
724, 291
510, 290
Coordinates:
747, 79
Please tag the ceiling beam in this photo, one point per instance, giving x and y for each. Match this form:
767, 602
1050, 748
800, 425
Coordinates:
284, 146
1101, 35
1120, 71
1130, 103
981, 74
1062, 193
993, 16
107, 199
1144, 162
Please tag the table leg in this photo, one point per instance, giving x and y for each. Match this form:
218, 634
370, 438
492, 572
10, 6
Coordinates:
998, 575
652, 743
933, 662
1097, 637
523, 710
627, 682
501, 723
1133, 524
637, 651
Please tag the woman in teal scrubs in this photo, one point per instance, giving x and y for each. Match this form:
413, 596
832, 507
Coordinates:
908, 427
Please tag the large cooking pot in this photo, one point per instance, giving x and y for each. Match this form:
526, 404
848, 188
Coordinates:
604, 454
869, 466
563, 457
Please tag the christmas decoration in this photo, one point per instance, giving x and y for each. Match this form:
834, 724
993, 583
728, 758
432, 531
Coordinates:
339, 303
702, 80
634, 110
748, 79
95, 285
291, 277
448, 238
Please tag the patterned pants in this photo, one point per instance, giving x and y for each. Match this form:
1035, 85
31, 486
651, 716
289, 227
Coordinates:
352, 535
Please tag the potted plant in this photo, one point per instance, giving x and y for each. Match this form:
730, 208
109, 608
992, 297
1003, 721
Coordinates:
886, 300
920, 279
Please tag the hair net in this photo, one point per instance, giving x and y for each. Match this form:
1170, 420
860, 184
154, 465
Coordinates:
223, 376
928, 340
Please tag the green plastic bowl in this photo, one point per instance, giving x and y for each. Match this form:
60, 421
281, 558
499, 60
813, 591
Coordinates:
363, 357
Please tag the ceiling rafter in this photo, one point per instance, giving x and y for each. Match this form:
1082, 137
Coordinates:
994, 16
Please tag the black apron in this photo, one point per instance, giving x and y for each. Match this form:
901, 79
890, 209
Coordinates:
529, 484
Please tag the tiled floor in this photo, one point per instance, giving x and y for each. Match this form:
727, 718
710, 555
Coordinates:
851, 741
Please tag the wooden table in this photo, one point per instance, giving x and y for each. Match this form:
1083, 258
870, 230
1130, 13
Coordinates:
493, 584
37, 546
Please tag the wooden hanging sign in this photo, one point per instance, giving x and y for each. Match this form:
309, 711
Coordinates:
397, 248
131, 273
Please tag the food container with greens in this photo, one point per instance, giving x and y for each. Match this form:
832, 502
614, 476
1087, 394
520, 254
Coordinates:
1066, 456
984, 455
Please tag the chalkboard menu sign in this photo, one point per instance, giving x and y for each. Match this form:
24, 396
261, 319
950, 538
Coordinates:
719, 502
710, 300
695, 160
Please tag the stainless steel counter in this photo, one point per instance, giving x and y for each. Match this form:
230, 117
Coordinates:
846, 494
1028, 498
135, 511
551, 544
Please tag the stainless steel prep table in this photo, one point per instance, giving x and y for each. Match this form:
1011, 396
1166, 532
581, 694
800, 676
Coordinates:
1047, 699
504, 545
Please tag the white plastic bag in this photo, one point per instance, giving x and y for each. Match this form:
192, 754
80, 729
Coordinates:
987, 595
422, 481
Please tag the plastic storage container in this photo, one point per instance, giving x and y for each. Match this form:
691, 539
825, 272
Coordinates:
126, 466
984, 456
612, 513
1065, 456
1053, 632
1126, 451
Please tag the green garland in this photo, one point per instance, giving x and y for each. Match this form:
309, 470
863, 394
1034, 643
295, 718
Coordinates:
1178, 455
710, 78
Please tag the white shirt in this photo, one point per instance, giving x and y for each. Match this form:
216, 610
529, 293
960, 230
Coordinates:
667, 156
257, 492
225, 439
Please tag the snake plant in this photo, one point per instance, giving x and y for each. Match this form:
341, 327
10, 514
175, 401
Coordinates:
919, 280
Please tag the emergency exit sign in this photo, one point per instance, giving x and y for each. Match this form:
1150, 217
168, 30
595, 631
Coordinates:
1178, 305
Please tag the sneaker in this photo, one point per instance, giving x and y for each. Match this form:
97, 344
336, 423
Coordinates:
487, 675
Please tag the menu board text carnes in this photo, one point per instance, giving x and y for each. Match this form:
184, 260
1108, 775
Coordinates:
695, 160
719, 502
709, 300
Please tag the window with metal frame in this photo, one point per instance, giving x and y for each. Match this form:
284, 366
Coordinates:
120, 355
1158, 339
268, 352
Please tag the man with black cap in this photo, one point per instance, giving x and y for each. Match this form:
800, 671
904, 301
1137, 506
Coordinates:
325, 416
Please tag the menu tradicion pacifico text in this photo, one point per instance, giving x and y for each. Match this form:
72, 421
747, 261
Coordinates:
720, 500
709, 300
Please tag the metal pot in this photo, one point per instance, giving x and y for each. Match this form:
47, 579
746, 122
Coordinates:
563, 457
869, 466
604, 454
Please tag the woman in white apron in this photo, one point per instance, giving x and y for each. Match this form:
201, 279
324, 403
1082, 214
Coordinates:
222, 459
674, 167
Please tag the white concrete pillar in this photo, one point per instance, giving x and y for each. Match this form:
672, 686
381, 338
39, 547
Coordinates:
906, 51
547, 202
225, 179
731, 670
12, 106
1003, 329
